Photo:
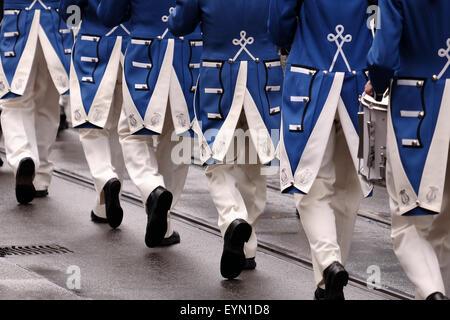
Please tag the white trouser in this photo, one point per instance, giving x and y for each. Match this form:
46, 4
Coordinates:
328, 211
103, 151
239, 189
239, 192
148, 159
30, 122
422, 245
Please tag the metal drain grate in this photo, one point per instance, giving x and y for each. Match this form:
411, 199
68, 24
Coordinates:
32, 250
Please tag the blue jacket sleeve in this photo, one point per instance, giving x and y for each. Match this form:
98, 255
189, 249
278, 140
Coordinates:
113, 12
64, 4
283, 19
185, 18
384, 56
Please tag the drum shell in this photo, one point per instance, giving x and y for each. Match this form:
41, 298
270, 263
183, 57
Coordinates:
373, 162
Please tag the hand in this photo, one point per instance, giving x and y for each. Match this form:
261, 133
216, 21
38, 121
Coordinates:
368, 89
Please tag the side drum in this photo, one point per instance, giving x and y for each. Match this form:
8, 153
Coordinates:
373, 136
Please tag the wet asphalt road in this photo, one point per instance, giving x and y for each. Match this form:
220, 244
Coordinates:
117, 265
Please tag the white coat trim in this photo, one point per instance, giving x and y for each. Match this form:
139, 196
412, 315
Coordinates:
309, 165
352, 138
141, 86
274, 110
226, 133
11, 34
141, 42
295, 127
89, 59
340, 44
272, 64
156, 110
209, 64
299, 99
243, 42
99, 111
142, 65
195, 43
34, 2
303, 70
78, 112
90, 38
410, 83
213, 90
203, 146
410, 143
135, 121
258, 131
214, 116
273, 88
286, 175
22, 74
4, 85
11, 12
57, 71
400, 184
444, 53
178, 106
411, 114
432, 185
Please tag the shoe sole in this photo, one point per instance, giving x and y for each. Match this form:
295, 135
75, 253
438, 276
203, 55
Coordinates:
114, 212
157, 220
334, 291
25, 191
233, 258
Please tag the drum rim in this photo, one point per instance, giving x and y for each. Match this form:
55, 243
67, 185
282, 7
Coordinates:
369, 102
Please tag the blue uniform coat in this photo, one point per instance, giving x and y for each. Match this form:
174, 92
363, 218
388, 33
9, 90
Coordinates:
412, 47
328, 41
158, 67
240, 71
27, 23
96, 60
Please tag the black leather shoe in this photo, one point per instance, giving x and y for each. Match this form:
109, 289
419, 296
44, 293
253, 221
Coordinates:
437, 296
319, 294
336, 278
1, 162
157, 206
41, 193
250, 264
233, 257
173, 239
25, 191
114, 212
97, 219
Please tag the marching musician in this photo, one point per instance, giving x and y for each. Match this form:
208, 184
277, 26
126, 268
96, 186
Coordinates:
411, 53
96, 103
160, 76
328, 42
35, 49
238, 97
